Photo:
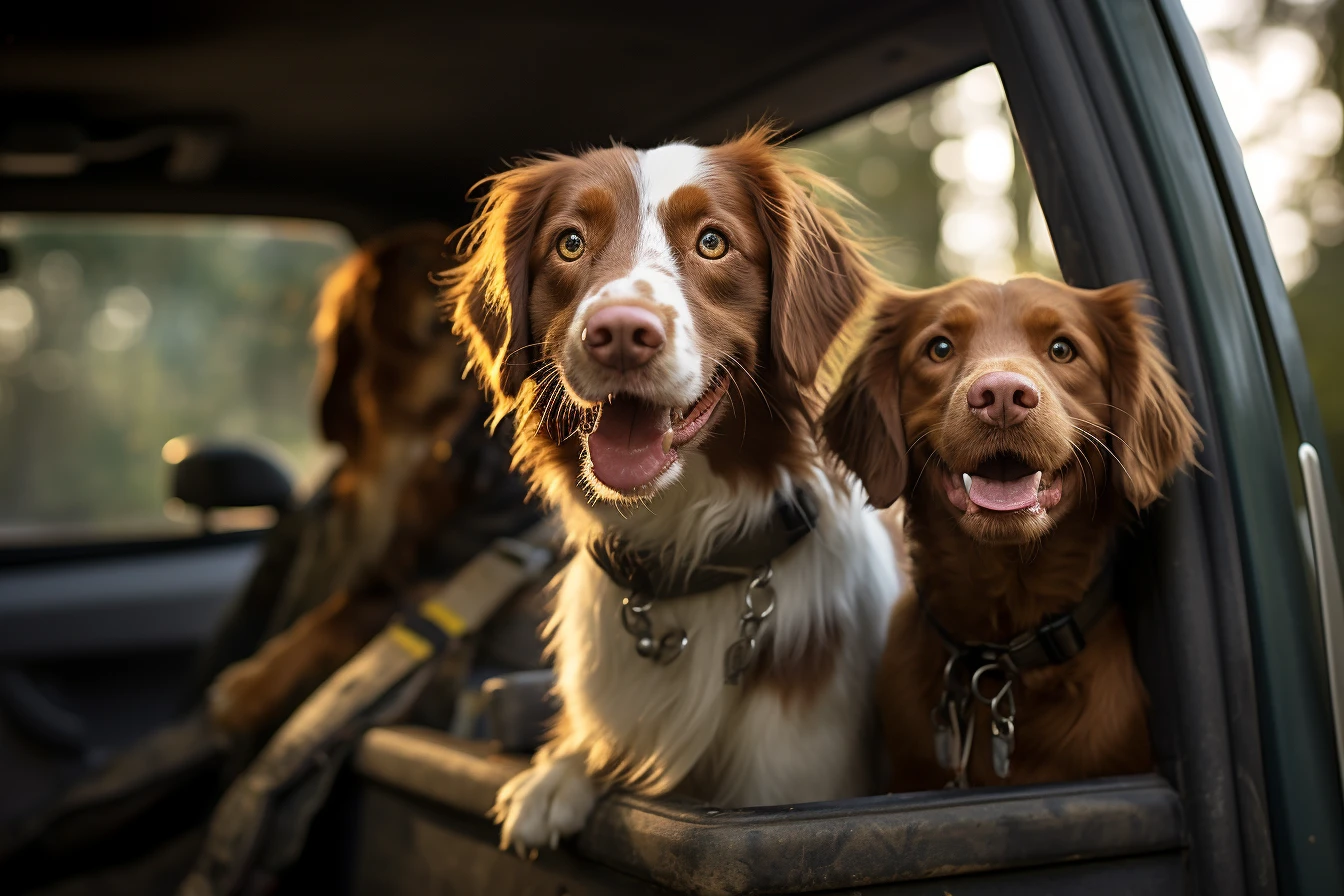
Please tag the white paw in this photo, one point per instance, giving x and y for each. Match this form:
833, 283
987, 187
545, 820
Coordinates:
550, 800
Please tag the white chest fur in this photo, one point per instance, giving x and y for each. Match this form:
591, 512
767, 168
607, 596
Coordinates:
657, 727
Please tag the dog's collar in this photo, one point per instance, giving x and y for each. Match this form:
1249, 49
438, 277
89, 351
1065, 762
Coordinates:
645, 574
973, 666
1057, 638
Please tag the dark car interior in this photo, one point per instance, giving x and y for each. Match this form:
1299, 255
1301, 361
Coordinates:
371, 128
369, 116
385, 119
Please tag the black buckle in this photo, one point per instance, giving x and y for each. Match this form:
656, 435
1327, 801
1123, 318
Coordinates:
1061, 638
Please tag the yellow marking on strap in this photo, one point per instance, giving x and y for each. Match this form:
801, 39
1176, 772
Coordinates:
452, 624
411, 642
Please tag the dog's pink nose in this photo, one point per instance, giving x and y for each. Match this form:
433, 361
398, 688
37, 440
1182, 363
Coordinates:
623, 336
1002, 398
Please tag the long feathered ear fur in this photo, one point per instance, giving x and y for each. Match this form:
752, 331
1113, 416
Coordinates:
1157, 436
862, 424
486, 292
819, 274
340, 350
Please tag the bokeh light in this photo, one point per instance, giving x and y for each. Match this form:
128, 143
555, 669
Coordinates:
1268, 64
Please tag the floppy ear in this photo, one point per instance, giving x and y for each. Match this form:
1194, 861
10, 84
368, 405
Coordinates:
1157, 436
404, 311
340, 350
486, 293
862, 426
818, 275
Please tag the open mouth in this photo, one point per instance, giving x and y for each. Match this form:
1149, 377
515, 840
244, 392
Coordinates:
1003, 483
632, 442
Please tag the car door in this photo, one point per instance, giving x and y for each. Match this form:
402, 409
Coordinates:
1305, 631
1138, 171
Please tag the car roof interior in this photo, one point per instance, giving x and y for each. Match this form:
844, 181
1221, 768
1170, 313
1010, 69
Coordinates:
372, 114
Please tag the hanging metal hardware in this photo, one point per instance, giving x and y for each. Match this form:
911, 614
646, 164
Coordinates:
661, 650
739, 655
953, 719
759, 600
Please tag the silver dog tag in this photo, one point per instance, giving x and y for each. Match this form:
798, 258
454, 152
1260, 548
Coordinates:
1001, 745
946, 736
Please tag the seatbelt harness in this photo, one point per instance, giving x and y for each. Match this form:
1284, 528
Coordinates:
261, 822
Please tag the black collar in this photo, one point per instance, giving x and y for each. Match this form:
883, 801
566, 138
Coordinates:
1056, 639
644, 573
493, 504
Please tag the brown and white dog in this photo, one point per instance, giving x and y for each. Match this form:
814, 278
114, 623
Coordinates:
1022, 423
392, 396
656, 320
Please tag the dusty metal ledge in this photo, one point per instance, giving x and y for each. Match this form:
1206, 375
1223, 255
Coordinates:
689, 846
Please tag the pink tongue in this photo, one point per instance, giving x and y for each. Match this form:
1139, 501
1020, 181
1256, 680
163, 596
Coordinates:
626, 449
993, 494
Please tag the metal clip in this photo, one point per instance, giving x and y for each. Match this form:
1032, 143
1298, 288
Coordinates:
1001, 745
946, 734
660, 650
954, 723
739, 655
1002, 712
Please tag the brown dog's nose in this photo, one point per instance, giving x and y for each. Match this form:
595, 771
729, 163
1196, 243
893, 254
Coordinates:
1002, 398
623, 336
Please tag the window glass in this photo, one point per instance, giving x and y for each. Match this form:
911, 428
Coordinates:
944, 178
119, 334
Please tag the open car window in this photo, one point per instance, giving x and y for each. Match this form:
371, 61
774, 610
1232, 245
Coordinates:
943, 176
119, 334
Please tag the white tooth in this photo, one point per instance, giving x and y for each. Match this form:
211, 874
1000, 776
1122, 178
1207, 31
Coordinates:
667, 441
966, 481
1038, 480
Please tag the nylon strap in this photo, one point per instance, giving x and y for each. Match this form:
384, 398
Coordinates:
644, 572
1056, 639
375, 686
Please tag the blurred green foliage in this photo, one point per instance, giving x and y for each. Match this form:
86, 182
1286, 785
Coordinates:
883, 159
141, 329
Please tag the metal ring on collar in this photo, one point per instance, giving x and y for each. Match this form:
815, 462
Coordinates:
761, 582
975, 684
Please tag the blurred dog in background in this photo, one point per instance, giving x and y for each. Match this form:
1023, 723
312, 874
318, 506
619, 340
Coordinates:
421, 489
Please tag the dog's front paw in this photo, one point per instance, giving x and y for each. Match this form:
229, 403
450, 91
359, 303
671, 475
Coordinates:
550, 800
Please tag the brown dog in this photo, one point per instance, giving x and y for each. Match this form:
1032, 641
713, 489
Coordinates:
394, 398
1022, 424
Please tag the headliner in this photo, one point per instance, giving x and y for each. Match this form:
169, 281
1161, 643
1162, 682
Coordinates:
397, 108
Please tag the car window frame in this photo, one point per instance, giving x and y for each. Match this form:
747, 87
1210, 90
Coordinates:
1141, 198
58, 553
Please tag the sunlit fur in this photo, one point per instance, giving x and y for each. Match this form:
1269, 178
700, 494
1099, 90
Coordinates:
1112, 428
798, 727
389, 388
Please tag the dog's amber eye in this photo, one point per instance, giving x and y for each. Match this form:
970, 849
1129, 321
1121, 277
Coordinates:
570, 245
1062, 350
712, 244
940, 349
